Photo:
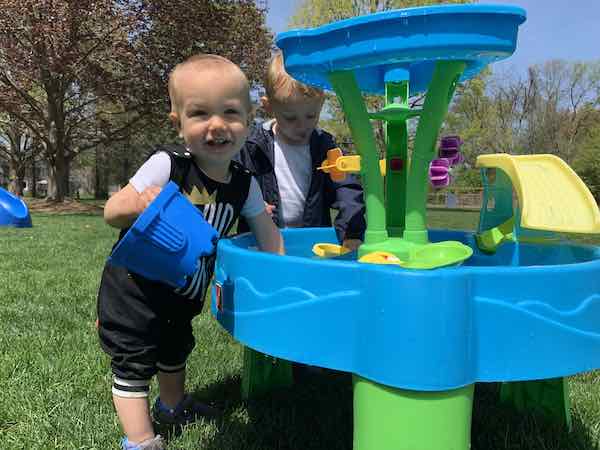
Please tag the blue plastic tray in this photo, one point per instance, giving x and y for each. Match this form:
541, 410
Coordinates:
395, 45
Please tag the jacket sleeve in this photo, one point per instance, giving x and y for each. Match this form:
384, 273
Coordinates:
244, 157
347, 198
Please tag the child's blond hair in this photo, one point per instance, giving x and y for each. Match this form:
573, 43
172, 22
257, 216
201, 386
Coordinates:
280, 86
205, 61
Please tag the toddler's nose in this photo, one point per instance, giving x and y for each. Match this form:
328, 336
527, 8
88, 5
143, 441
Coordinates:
216, 123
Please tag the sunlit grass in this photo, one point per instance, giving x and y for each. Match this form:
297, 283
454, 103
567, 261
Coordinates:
56, 381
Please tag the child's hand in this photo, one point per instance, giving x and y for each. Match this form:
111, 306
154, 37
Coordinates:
270, 209
352, 244
146, 197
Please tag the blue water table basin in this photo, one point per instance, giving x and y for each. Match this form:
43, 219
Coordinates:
425, 330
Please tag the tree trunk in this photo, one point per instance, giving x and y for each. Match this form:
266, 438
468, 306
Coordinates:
33, 179
68, 177
16, 176
57, 177
100, 175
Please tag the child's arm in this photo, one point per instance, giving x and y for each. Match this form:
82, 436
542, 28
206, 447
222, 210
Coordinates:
347, 198
267, 235
124, 207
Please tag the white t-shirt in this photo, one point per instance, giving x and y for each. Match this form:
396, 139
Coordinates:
157, 169
293, 170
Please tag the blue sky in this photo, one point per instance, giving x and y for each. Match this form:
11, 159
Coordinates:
563, 29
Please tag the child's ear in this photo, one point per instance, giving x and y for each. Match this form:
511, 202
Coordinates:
174, 117
266, 105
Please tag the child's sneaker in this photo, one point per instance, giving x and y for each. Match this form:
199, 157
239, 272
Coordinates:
156, 443
188, 411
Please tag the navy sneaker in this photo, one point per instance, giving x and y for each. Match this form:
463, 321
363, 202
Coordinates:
188, 411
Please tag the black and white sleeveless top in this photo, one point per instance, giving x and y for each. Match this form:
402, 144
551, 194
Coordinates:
220, 203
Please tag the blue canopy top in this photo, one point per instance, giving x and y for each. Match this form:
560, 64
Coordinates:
402, 44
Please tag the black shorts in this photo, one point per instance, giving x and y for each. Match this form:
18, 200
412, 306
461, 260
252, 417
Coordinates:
143, 325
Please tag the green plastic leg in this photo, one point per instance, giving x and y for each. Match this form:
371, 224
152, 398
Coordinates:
394, 419
549, 397
262, 373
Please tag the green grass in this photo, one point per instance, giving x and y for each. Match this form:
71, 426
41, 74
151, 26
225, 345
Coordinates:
56, 381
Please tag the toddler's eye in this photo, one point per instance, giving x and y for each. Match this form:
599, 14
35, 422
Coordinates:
290, 119
232, 111
311, 116
198, 113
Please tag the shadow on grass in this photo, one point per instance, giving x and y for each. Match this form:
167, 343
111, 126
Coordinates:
500, 427
316, 413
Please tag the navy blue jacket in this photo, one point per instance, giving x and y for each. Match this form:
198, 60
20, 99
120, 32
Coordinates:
346, 197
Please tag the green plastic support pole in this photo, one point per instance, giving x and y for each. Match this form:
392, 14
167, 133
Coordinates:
439, 94
549, 397
262, 373
395, 419
347, 91
396, 135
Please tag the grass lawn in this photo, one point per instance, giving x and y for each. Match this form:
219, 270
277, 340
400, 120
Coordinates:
56, 381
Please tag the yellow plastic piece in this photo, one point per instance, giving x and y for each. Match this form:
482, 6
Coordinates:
329, 250
551, 195
382, 167
489, 240
349, 163
380, 257
330, 165
429, 256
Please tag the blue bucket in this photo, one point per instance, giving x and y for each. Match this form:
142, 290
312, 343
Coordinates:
166, 240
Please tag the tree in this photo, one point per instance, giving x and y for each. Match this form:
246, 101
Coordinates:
587, 163
80, 74
312, 13
18, 149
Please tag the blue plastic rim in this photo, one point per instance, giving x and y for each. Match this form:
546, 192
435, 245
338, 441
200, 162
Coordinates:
494, 318
166, 241
13, 211
375, 46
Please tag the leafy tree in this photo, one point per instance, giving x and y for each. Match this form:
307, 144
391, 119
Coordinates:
87, 73
312, 13
551, 110
18, 149
587, 163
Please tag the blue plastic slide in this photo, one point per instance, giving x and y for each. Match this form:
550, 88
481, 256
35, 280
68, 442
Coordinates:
13, 211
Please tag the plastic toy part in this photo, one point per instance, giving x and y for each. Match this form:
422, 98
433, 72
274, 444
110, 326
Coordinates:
402, 44
330, 165
439, 173
430, 256
489, 240
263, 373
381, 258
13, 211
548, 305
325, 250
549, 397
551, 195
450, 149
351, 163
166, 240
451, 142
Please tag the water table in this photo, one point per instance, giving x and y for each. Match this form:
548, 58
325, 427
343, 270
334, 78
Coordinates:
416, 315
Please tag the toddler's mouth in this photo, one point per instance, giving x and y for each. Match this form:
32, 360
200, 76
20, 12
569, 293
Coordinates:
217, 142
